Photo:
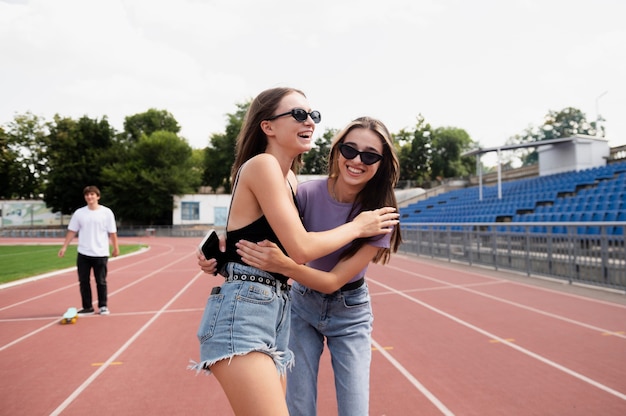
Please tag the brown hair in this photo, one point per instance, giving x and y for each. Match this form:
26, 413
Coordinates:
91, 188
251, 140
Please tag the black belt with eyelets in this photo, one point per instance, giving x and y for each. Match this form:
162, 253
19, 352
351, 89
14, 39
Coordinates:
353, 285
259, 279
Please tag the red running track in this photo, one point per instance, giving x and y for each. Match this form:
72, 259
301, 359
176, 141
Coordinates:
448, 339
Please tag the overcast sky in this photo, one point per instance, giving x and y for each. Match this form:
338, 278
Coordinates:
491, 67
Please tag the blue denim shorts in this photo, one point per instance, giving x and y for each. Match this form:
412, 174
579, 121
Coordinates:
244, 317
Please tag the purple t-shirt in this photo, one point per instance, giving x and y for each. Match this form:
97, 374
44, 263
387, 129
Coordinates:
320, 212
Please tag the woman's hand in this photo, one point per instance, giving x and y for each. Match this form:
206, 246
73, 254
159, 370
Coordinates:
210, 265
376, 222
264, 255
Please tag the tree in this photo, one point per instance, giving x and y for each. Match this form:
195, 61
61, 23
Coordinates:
76, 153
147, 123
8, 167
448, 143
414, 151
22, 161
219, 156
568, 122
315, 161
140, 187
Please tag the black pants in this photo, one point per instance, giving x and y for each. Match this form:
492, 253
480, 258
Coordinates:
84, 264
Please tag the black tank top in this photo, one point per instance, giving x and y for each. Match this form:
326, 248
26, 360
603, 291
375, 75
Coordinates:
255, 232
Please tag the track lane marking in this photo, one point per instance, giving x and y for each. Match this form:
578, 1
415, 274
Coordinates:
524, 351
73, 285
516, 304
419, 386
123, 348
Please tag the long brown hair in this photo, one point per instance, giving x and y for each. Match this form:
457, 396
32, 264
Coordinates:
251, 140
379, 191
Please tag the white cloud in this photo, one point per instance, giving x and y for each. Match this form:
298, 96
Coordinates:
487, 66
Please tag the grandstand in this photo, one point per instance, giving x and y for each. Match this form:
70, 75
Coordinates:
567, 222
594, 194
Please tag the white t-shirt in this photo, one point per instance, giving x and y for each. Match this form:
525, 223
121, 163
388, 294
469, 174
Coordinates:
93, 228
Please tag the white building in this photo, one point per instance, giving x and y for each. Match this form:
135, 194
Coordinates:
201, 209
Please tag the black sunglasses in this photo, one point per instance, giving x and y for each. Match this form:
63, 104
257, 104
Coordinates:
300, 115
349, 152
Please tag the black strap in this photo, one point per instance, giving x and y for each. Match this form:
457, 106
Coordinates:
353, 285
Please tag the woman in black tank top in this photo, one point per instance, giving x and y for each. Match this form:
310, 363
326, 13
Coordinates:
245, 327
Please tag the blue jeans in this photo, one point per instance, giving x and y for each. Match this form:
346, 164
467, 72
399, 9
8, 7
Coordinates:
243, 317
344, 319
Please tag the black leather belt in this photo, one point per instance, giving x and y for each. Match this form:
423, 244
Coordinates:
353, 285
259, 279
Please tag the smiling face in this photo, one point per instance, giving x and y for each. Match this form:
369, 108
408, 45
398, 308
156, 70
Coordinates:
294, 136
353, 172
92, 199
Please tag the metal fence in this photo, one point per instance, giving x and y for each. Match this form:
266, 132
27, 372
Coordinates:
590, 252
586, 252
196, 231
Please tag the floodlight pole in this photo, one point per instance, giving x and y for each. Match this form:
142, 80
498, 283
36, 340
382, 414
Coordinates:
499, 176
598, 116
479, 168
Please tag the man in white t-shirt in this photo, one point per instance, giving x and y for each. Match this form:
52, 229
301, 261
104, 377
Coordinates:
95, 225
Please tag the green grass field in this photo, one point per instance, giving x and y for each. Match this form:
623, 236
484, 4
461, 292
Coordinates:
20, 261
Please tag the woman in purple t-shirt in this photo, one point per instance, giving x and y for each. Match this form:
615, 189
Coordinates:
330, 298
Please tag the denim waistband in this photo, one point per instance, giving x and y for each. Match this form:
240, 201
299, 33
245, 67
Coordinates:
259, 279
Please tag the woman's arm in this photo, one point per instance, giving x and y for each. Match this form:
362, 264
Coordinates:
263, 178
267, 256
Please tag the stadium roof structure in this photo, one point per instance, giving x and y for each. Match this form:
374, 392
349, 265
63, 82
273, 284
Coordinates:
480, 151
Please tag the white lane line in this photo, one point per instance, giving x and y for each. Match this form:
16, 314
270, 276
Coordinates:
95, 316
614, 332
69, 269
506, 342
56, 319
30, 334
60, 289
433, 399
536, 287
114, 357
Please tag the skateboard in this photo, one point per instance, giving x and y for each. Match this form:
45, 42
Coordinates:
70, 317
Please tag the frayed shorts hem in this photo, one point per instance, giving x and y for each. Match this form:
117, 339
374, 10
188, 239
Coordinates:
277, 357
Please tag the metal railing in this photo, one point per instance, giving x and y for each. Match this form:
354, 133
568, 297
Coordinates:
584, 252
196, 231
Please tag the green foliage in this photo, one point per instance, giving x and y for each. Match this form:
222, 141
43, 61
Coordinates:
415, 151
140, 169
315, 161
76, 153
9, 167
448, 143
219, 156
23, 166
565, 123
147, 123
140, 187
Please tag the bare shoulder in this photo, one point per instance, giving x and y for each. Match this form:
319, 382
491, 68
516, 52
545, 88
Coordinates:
261, 167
